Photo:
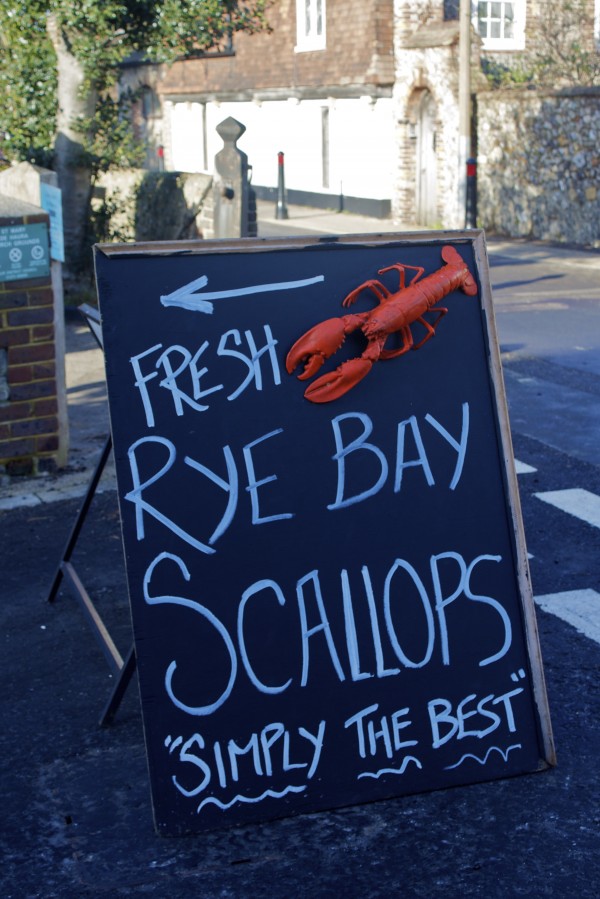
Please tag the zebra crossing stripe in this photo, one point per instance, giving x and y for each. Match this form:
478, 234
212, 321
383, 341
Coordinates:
580, 503
523, 468
579, 608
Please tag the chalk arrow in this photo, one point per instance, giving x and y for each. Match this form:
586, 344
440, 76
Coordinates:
187, 297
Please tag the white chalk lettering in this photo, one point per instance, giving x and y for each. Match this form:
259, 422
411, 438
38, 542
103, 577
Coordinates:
253, 484
233, 751
421, 459
402, 657
463, 588
169, 382
351, 637
217, 626
382, 671
187, 297
142, 379
142, 505
359, 443
265, 754
144, 450
323, 626
175, 369
269, 736
189, 365
230, 486
494, 604
324, 652
366, 452
186, 756
443, 717
317, 741
387, 736
252, 362
460, 446
259, 587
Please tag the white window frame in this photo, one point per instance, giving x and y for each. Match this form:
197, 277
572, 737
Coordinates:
517, 41
311, 16
597, 24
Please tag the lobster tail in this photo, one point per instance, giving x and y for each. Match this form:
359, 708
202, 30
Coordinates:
451, 255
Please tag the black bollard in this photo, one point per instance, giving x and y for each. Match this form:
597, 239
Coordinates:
471, 196
281, 208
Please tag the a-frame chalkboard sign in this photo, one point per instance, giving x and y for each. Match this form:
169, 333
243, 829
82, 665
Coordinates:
328, 578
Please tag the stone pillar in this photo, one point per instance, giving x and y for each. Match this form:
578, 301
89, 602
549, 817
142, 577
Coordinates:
231, 188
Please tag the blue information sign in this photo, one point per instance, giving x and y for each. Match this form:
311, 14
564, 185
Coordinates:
24, 252
51, 201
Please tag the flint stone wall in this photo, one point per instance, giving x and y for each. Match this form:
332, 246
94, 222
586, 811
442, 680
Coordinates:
538, 164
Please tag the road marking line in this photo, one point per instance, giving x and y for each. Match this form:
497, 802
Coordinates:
523, 468
579, 608
580, 503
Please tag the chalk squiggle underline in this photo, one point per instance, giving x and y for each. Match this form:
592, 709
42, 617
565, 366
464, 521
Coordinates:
400, 770
482, 761
225, 805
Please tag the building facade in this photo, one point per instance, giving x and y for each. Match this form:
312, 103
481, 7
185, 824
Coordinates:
361, 96
318, 87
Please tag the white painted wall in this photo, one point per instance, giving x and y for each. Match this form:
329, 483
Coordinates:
185, 153
361, 142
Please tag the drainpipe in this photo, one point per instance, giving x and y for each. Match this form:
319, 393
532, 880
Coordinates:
464, 106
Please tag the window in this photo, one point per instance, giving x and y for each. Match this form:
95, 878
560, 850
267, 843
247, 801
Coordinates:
597, 24
310, 25
501, 24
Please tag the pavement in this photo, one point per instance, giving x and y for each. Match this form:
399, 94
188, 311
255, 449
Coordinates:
77, 818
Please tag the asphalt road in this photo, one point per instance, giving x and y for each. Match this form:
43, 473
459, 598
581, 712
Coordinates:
77, 819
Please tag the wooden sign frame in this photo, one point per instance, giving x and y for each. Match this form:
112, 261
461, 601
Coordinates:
331, 601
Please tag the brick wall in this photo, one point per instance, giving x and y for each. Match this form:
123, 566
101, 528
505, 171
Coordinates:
29, 426
359, 51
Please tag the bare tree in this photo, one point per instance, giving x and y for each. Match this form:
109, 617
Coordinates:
564, 51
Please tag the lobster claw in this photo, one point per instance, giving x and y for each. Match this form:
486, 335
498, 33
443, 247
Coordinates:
336, 383
316, 346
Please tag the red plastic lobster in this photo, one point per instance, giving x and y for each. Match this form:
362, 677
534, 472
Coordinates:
395, 313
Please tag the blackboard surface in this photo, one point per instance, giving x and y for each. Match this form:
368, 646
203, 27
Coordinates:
330, 601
